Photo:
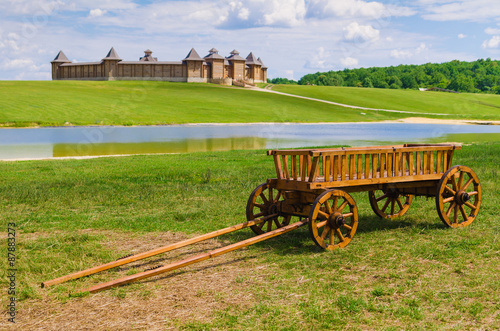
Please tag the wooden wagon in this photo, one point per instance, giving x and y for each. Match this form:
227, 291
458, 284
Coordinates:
313, 185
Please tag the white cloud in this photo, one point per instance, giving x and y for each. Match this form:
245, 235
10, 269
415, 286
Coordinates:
421, 48
492, 31
494, 42
319, 60
349, 62
355, 32
97, 12
18, 64
461, 10
461, 36
289, 74
355, 9
401, 54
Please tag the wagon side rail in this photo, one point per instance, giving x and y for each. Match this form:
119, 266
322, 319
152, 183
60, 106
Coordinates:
375, 164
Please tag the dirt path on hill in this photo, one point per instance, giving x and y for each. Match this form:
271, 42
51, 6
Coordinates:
269, 89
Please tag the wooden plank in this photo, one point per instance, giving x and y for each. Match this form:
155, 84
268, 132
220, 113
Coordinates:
284, 160
327, 168
314, 167
294, 167
425, 165
404, 159
374, 165
277, 164
154, 252
445, 161
390, 164
301, 167
352, 169
382, 165
344, 169
439, 158
195, 259
346, 184
367, 165
411, 166
418, 161
360, 166
431, 162
336, 167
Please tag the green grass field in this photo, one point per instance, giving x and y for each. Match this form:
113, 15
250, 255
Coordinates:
410, 273
57, 103
462, 106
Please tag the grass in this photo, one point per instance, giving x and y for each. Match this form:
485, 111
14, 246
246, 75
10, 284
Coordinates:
410, 273
461, 106
58, 103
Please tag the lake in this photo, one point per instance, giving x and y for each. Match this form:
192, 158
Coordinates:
51, 142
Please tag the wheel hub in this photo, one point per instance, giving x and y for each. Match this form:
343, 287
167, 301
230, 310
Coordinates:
462, 197
272, 209
336, 220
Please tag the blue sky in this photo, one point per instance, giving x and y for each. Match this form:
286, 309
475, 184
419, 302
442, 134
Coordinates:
293, 37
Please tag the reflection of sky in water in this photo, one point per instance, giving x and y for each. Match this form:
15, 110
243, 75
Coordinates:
39, 142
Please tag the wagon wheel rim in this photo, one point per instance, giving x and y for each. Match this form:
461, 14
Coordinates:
264, 201
458, 197
389, 203
333, 219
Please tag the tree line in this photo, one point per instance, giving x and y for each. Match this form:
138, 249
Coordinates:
473, 77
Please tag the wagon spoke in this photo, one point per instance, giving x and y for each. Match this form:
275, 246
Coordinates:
448, 199
450, 190
464, 214
470, 205
278, 196
322, 213
348, 215
263, 197
325, 232
382, 197
460, 179
259, 215
321, 224
342, 206
400, 204
455, 214
258, 205
339, 234
332, 237
448, 212
472, 193
277, 222
271, 195
393, 203
335, 201
385, 205
328, 207
269, 225
347, 226
454, 183
468, 183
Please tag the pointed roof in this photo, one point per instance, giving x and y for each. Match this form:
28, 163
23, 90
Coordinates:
112, 55
213, 51
61, 57
148, 51
235, 55
262, 63
251, 59
214, 54
193, 56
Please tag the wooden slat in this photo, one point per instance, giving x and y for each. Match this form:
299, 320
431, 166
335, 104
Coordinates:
277, 164
344, 168
425, 163
439, 158
360, 166
352, 169
327, 167
374, 165
382, 165
418, 161
445, 161
336, 167
404, 158
284, 161
303, 167
294, 167
390, 164
367, 165
431, 162
450, 158
411, 167
314, 167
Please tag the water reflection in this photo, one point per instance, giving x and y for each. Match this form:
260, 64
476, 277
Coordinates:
180, 146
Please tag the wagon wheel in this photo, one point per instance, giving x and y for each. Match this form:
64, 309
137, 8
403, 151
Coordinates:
264, 201
380, 200
333, 219
458, 197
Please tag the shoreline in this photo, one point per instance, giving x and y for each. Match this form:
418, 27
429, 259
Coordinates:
408, 120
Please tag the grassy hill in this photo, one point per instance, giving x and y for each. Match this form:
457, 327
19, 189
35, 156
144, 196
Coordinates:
463, 105
26, 103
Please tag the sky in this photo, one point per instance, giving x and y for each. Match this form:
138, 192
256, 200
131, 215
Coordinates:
292, 37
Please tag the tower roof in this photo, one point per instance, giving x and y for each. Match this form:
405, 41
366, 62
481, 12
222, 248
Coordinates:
251, 59
112, 55
262, 63
235, 55
193, 56
61, 57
